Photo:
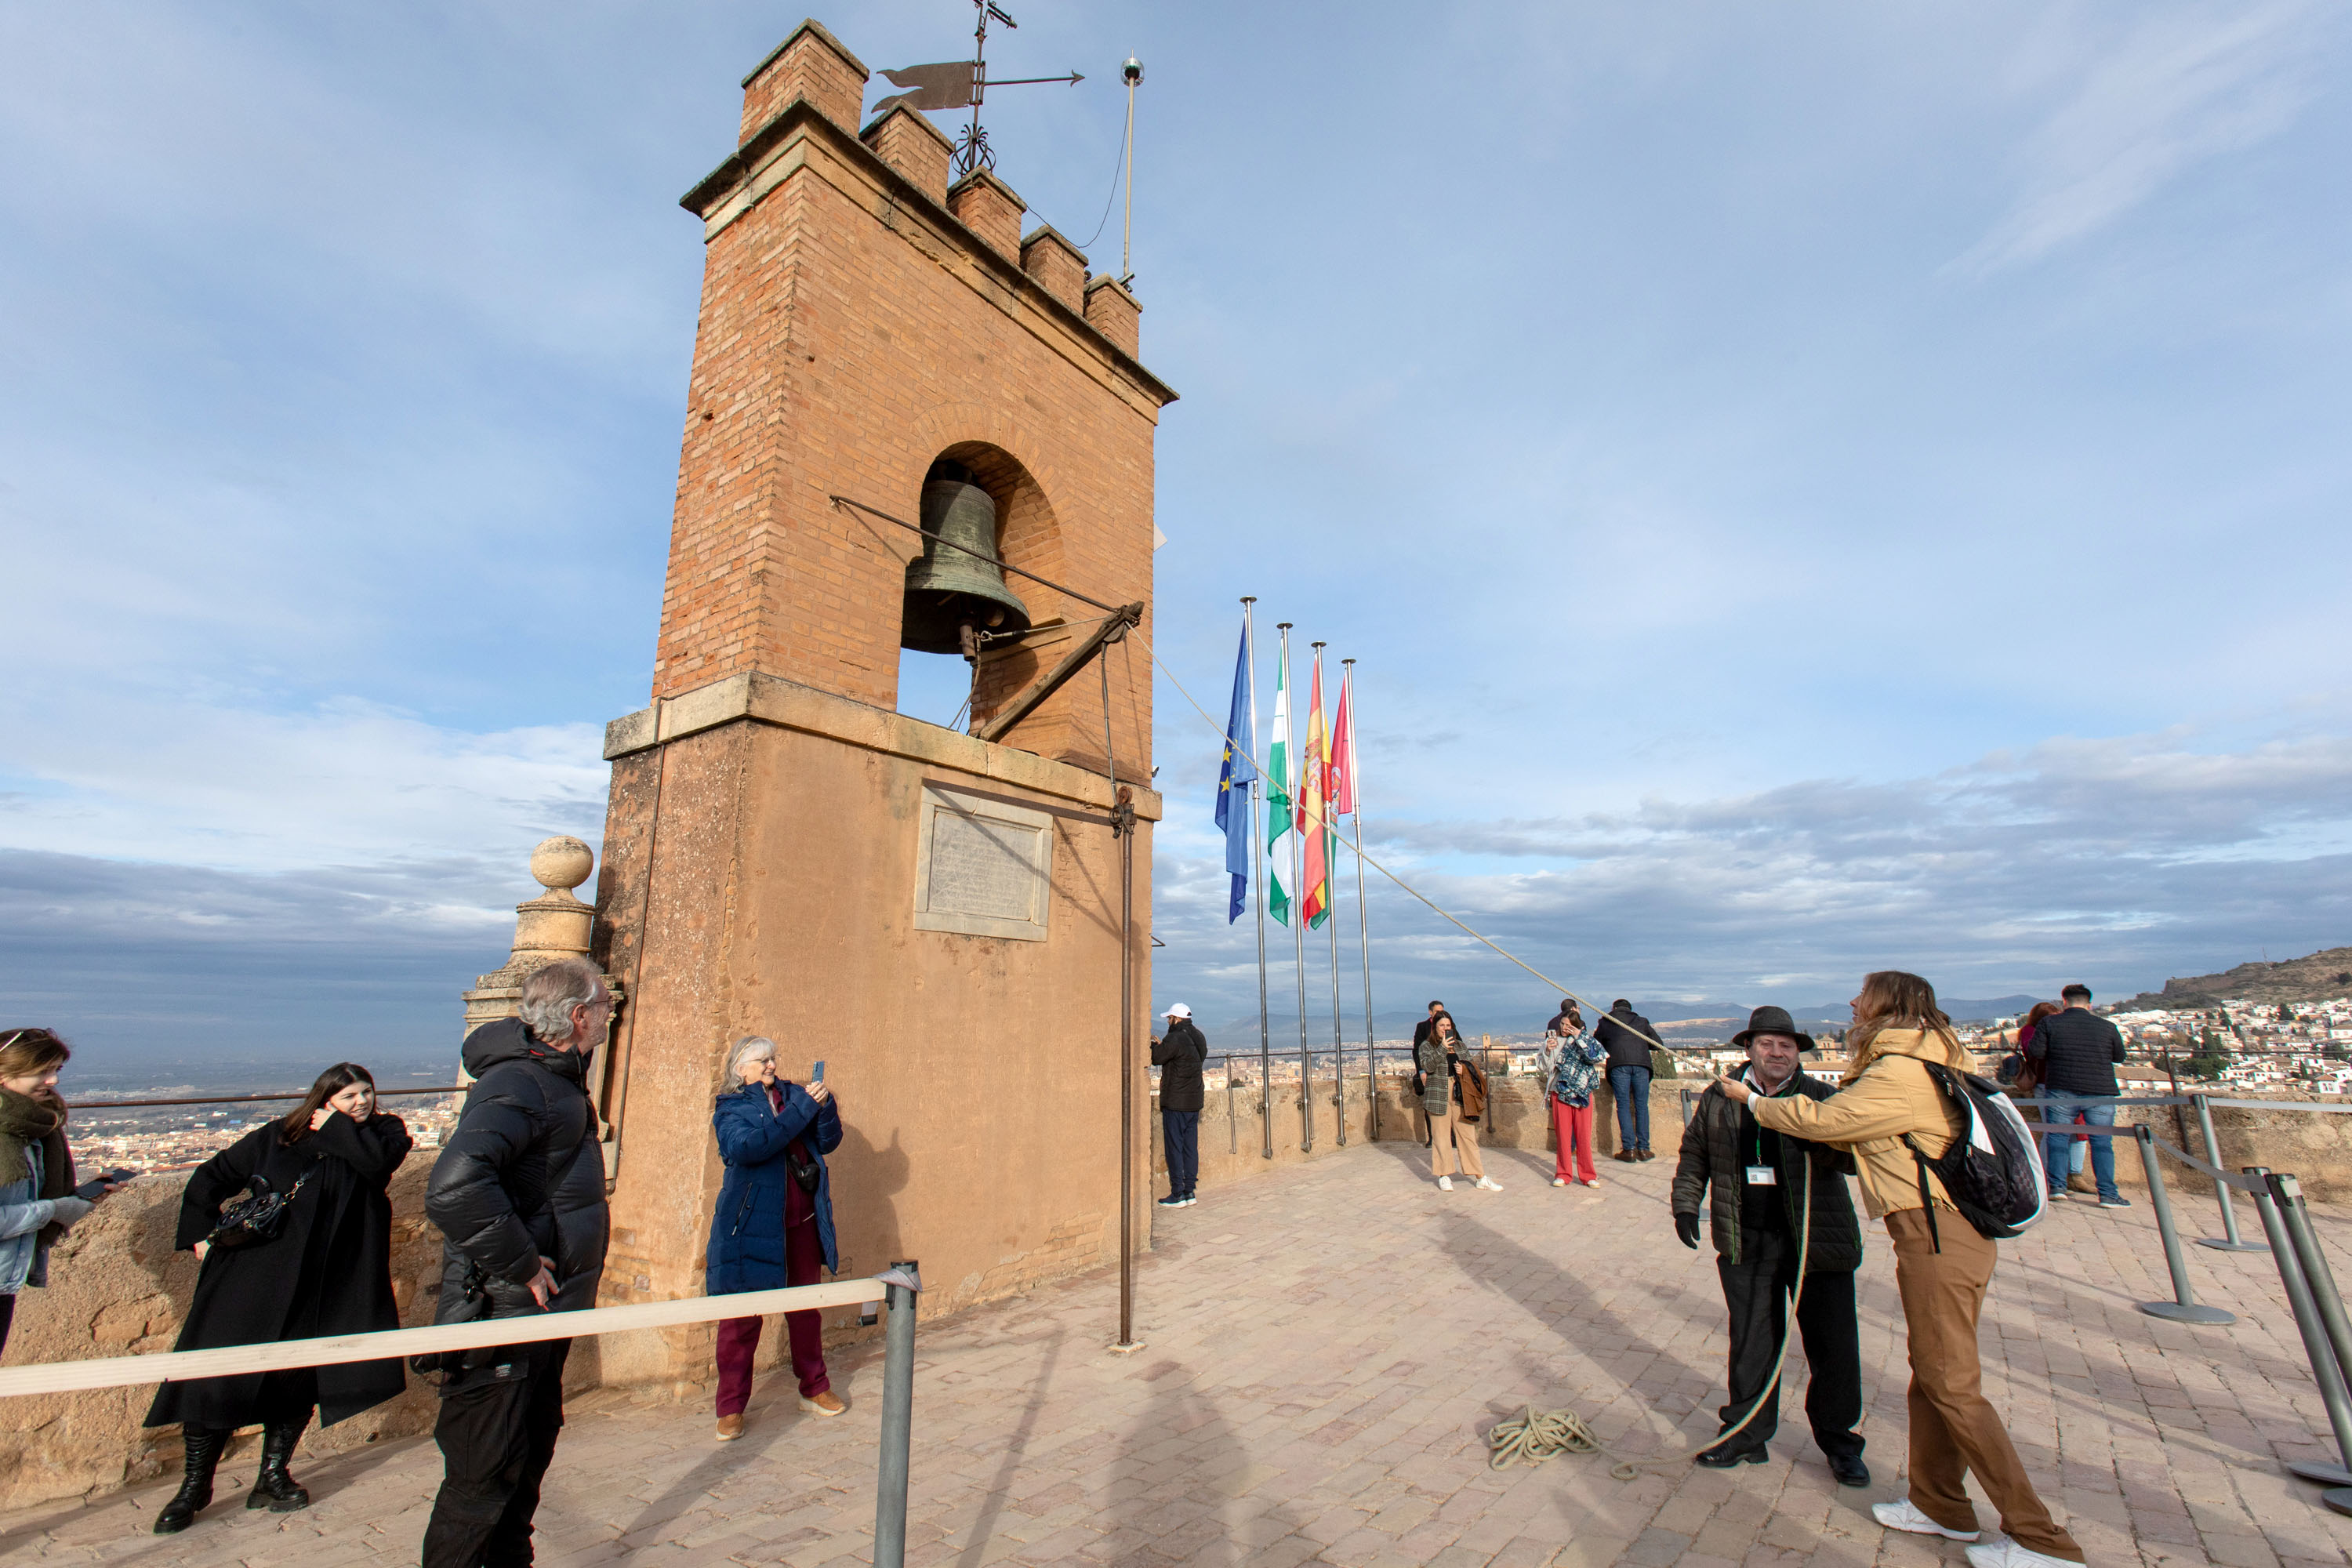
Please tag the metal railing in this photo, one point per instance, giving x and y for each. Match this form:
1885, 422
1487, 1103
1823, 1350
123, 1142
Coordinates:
235, 1098
897, 1288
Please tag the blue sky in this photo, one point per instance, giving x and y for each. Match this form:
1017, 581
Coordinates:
1809, 492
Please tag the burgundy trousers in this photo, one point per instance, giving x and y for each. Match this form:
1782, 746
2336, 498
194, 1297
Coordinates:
739, 1338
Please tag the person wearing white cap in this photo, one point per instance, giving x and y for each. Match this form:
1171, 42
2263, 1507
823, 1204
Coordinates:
1179, 1053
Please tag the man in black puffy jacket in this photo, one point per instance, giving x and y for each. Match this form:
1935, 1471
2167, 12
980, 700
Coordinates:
2078, 1051
1180, 1055
518, 1196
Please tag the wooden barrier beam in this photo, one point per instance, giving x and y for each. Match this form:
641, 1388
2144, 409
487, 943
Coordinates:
230, 1361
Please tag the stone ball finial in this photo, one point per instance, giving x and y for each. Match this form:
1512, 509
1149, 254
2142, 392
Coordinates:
561, 863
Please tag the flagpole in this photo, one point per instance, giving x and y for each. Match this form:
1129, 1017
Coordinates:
1257, 863
1330, 876
1298, 920
1363, 920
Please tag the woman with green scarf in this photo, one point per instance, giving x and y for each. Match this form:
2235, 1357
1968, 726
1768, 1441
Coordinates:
38, 1201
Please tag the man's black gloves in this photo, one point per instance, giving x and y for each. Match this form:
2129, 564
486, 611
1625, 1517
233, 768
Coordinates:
1686, 1227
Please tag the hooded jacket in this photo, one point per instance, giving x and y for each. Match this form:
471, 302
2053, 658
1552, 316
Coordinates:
1180, 1055
747, 1248
521, 1177
1886, 1095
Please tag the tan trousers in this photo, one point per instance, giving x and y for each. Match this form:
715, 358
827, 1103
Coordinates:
1450, 1136
1954, 1428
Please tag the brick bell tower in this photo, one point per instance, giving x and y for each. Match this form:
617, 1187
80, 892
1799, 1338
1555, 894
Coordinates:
934, 914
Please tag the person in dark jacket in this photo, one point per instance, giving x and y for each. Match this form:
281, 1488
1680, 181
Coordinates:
327, 1271
1762, 1185
1179, 1053
2077, 1051
1626, 1036
773, 1226
518, 1196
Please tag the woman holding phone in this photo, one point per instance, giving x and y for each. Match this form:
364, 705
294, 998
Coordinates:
327, 1270
38, 1199
773, 1224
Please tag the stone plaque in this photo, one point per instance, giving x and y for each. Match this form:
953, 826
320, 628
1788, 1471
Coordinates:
983, 868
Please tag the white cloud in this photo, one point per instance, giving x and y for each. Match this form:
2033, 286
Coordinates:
349, 784
2120, 859
2180, 85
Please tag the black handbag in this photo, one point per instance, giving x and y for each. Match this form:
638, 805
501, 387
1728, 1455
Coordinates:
802, 1166
257, 1217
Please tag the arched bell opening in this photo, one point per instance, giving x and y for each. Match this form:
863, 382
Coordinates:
961, 612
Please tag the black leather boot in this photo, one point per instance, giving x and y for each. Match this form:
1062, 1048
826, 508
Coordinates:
204, 1446
273, 1488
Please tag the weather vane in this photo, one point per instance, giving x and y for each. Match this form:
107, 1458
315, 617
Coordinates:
962, 84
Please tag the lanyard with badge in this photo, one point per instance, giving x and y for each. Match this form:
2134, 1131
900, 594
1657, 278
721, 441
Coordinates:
1760, 1173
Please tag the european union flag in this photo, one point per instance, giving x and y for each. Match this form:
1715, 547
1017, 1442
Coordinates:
1233, 779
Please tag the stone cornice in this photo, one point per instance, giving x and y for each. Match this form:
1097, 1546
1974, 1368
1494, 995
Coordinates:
769, 700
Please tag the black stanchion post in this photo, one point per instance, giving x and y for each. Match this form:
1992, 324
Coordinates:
2183, 1308
2286, 1192
2229, 1240
898, 1416
2316, 1347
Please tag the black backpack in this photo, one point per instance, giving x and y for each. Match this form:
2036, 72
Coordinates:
1992, 1169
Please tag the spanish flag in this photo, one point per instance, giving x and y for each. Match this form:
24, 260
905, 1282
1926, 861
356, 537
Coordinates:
1314, 820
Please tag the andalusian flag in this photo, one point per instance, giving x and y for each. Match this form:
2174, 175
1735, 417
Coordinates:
1278, 795
1313, 817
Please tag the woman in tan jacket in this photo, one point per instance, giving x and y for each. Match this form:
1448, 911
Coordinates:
1886, 1094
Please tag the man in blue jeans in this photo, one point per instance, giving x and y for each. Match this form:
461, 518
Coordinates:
1629, 1075
2078, 1051
1179, 1053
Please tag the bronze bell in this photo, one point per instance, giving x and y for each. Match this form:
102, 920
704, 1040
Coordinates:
952, 595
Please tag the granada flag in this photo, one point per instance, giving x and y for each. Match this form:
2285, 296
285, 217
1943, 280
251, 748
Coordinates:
1314, 794
1343, 751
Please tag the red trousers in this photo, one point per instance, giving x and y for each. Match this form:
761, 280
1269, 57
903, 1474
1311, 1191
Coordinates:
739, 1338
1571, 1127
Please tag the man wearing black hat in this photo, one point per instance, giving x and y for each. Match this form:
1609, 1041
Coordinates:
1763, 1186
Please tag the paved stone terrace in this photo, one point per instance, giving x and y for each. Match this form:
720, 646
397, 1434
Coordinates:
1325, 1349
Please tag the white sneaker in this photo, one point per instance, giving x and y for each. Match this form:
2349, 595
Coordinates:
1903, 1514
1560, 1181
2000, 1551
1445, 1183
1490, 1185
1590, 1182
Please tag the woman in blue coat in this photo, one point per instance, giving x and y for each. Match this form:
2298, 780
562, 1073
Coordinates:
773, 1226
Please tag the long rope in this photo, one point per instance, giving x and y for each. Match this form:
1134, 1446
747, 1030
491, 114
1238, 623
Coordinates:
1369, 860
1538, 1434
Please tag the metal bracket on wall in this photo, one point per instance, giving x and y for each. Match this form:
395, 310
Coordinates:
1113, 628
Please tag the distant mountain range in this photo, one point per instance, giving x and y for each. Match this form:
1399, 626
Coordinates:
1241, 1033
2318, 977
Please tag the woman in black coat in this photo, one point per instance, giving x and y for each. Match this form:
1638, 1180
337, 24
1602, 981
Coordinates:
327, 1271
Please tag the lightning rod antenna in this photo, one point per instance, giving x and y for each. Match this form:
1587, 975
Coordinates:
1133, 73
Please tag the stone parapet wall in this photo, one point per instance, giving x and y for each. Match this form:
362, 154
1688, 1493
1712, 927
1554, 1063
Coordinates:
1232, 1144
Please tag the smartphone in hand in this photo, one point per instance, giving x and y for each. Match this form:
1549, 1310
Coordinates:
816, 1074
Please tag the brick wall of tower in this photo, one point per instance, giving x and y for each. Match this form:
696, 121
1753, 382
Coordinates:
851, 331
